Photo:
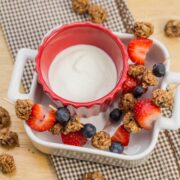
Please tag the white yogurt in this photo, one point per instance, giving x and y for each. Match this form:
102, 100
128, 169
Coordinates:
82, 73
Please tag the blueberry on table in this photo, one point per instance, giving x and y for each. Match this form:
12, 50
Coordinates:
115, 115
89, 130
116, 147
138, 91
63, 115
159, 70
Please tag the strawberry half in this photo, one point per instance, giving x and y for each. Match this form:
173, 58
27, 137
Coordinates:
40, 120
74, 138
129, 84
121, 135
146, 113
138, 48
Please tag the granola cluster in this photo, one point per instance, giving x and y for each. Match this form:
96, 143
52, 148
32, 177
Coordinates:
5, 119
130, 124
56, 129
136, 70
127, 102
97, 14
93, 176
7, 163
172, 28
149, 79
80, 6
23, 108
9, 139
143, 29
162, 98
101, 140
73, 125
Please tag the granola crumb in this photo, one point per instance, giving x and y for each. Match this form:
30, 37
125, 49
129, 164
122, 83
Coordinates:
9, 140
130, 124
148, 79
7, 164
143, 29
5, 119
127, 102
80, 6
162, 98
136, 70
172, 28
23, 108
97, 175
97, 13
73, 125
101, 140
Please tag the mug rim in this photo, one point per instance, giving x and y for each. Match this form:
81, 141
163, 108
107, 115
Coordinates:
100, 101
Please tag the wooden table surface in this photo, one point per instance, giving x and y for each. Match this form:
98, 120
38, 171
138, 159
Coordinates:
31, 164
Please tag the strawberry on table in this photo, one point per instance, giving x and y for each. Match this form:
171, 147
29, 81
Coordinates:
138, 48
121, 135
146, 113
75, 138
129, 84
40, 119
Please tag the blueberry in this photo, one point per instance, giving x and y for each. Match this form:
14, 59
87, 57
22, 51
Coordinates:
89, 130
116, 147
138, 91
63, 115
159, 70
115, 115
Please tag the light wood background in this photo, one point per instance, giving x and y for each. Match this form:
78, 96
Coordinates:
32, 164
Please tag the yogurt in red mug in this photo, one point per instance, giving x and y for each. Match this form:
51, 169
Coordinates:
82, 66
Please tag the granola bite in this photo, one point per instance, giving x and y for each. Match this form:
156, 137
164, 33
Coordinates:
101, 140
162, 98
5, 119
97, 13
80, 6
127, 102
136, 70
56, 129
143, 29
23, 108
7, 164
148, 79
73, 125
9, 139
97, 175
172, 28
130, 124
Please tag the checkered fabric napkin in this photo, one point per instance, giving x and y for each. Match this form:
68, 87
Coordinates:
24, 24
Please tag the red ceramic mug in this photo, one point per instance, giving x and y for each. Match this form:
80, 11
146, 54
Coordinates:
75, 34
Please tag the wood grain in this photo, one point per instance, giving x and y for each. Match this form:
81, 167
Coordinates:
31, 164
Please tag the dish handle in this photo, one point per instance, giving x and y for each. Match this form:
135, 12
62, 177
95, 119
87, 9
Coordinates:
172, 123
21, 59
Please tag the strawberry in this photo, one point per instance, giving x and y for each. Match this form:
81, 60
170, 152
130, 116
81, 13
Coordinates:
138, 48
40, 120
129, 84
146, 113
74, 138
121, 135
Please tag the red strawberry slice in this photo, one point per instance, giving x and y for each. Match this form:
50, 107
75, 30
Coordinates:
40, 120
146, 113
138, 48
121, 135
74, 138
129, 84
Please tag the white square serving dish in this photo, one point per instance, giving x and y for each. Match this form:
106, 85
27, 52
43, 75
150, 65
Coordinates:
141, 145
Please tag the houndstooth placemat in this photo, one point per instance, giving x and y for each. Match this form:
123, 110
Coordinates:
24, 23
